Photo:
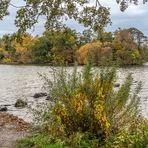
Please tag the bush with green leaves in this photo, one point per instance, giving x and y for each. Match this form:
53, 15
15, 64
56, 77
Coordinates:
87, 111
134, 137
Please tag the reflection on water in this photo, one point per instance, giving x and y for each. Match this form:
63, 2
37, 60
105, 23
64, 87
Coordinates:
23, 82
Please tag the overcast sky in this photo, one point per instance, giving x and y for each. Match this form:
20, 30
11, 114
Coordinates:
134, 16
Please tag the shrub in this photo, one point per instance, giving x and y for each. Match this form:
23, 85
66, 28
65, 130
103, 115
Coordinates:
6, 60
86, 104
134, 137
2, 54
86, 110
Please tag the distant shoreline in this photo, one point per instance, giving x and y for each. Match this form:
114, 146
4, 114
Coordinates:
69, 65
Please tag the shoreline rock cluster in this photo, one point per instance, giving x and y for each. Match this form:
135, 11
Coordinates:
20, 103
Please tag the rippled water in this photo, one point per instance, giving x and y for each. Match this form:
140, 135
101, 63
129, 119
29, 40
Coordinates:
23, 82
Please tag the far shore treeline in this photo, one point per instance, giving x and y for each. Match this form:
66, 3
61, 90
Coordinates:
124, 46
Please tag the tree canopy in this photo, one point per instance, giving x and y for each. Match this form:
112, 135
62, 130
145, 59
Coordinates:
93, 15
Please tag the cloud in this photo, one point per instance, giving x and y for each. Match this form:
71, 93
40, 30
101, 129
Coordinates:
134, 16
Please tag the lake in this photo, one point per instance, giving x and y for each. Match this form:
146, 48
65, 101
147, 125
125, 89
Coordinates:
22, 82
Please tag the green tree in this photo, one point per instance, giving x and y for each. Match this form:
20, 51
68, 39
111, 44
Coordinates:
41, 50
64, 43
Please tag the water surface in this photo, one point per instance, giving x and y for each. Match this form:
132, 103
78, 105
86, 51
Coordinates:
22, 82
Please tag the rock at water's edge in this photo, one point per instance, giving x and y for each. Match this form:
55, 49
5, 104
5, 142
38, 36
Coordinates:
48, 98
38, 95
117, 85
3, 108
20, 103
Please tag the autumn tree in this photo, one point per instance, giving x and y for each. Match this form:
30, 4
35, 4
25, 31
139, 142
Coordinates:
23, 48
104, 36
7, 48
125, 48
96, 50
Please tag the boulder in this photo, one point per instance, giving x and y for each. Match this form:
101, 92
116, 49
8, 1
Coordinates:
3, 108
7, 104
48, 98
20, 103
117, 85
39, 95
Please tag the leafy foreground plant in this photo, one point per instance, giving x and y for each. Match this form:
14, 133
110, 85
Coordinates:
86, 111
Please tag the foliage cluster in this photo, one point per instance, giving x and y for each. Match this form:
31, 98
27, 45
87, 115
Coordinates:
86, 111
97, 50
53, 47
63, 45
57, 12
90, 14
15, 51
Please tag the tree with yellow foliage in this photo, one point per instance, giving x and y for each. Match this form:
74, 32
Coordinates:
7, 49
97, 50
23, 48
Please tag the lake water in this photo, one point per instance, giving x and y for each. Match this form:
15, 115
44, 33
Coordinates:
22, 82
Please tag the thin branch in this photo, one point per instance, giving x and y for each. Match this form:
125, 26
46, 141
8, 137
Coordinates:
15, 6
98, 3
